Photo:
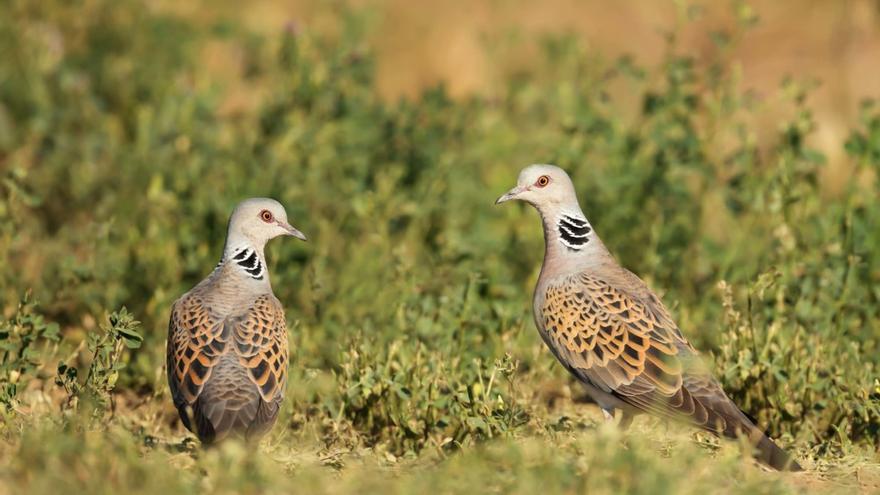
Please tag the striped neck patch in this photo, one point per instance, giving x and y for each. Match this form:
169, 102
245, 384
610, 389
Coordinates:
573, 232
248, 260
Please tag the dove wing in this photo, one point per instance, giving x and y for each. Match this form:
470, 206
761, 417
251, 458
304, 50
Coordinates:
227, 373
629, 347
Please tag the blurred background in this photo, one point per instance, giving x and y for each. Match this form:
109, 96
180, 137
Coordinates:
727, 152
421, 44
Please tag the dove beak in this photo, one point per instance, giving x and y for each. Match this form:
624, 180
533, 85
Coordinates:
292, 231
512, 194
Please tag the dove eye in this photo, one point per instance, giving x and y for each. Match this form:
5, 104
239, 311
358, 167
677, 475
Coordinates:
266, 215
542, 181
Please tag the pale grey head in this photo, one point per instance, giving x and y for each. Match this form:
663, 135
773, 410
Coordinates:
549, 189
544, 187
255, 221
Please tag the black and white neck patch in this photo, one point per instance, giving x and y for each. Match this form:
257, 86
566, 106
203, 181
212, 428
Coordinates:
574, 232
249, 260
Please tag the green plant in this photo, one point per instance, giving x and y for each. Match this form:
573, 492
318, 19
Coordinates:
412, 402
25, 341
106, 346
864, 144
123, 147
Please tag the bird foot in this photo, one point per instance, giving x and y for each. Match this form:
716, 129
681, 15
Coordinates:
608, 414
625, 418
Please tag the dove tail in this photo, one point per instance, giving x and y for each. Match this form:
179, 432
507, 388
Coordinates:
767, 452
770, 454
733, 422
227, 407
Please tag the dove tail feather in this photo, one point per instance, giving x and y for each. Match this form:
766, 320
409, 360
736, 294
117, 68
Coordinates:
214, 420
766, 450
724, 418
204, 429
770, 454
225, 408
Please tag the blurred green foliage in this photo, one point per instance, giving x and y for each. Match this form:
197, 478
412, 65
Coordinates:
409, 308
106, 347
25, 339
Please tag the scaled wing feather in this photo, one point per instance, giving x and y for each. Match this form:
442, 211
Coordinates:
247, 352
630, 347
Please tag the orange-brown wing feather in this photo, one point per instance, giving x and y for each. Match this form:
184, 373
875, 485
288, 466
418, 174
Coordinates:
196, 340
200, 344
630, 347
261, 346
627, 344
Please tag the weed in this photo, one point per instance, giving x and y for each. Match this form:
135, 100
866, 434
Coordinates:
25, 341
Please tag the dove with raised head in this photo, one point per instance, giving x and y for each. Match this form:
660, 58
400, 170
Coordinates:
613, 333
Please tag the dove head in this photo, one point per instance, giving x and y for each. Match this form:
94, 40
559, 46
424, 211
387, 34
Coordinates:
257, 220
549, 189
546, 187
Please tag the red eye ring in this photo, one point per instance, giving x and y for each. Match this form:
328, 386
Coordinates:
266, 216
542, 181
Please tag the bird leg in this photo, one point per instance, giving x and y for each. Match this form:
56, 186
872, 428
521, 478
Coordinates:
609, 415
626, 419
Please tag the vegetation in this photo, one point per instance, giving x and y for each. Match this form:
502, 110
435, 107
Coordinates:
415, 362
